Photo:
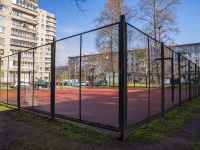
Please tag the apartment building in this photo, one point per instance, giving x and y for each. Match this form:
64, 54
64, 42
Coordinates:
22, 28
45, 33
137, 62
190, 51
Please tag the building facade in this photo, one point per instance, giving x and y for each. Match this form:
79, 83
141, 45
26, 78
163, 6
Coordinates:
99, 65
190, 51
24, 26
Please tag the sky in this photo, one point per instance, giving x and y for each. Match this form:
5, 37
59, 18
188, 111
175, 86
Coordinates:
71, 21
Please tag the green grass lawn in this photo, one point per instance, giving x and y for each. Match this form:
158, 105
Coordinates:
165, 126
156, 129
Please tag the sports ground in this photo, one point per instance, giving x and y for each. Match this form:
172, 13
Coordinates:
99, 105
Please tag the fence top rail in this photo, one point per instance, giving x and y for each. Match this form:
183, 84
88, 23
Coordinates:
158, 42
27, 50
63, 39
143, 32
87, 31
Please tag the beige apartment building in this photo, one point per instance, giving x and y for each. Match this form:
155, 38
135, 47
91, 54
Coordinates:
24, 26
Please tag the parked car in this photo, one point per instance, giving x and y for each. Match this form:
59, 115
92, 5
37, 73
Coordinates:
58, 83
101, 83
89, 83
82, 84
42, 84
22, 84
66, 83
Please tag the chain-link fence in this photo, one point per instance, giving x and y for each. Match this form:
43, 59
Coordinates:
113, 77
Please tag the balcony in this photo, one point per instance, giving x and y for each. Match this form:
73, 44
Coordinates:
24, 19
47, 60
48, 56
24, 39
49, 37
51, 29
25, 10
51, 34
24, 29
47, 65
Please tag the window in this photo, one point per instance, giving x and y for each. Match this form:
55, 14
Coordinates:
2, 7
2, 19
196, 48
2, 29
17, 13
196, 54
189, 55
22, 43
16, 23
1, 51
1, 40
197, 61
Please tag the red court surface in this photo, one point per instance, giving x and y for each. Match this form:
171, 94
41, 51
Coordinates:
101, 105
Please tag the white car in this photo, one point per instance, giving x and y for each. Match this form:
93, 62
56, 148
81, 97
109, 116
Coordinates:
23, 84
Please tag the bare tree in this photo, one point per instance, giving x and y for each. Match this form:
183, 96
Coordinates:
107, 38
159, 18
78, 4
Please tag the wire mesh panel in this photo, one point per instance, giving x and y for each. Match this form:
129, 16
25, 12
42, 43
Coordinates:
99, 66
170, 75
67, 78
137, 75
12, 75
174, 80
192, 77
184, 78
187, 79
39, 77
4, 79
196, 80
155, 77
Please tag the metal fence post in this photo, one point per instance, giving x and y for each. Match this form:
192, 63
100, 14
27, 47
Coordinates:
189, 77
195, 84
198, 82
179, 78
173, 81
163, 78
149, 78
33, 82
7, 78
0, 74
18, 80
53, 61
122, 77
80, 74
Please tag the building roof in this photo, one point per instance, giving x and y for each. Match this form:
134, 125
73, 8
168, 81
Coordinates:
187, 44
